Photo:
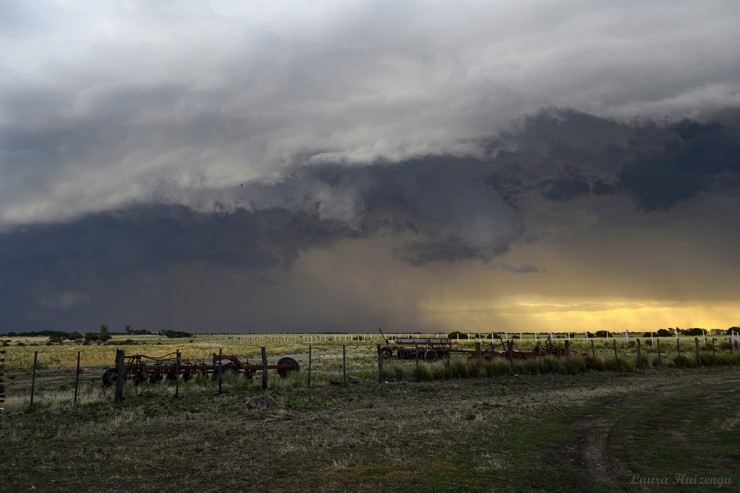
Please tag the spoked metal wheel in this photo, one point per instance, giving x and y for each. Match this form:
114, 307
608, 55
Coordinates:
431, 355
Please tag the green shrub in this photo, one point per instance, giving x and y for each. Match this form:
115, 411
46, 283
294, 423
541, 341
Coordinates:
619, 365
683, 361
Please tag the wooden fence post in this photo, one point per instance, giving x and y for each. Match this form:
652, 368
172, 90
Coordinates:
713, 347
220, 373
567, 348
660, 357
639, 354
77, 378
344, 365
678, 345
33, 375
177, 373
615, 348
120, 376
2, 376
264, 368
510, 348
381, 374
309, 365
593, 349
416, 356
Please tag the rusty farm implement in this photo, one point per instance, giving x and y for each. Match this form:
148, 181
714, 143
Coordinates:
140, 368
505, 349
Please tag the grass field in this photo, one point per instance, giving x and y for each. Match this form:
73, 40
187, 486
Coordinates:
657, 429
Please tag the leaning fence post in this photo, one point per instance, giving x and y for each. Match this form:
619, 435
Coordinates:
120, 375
381, 374
33, 374
264, 368
698, 351
77, 377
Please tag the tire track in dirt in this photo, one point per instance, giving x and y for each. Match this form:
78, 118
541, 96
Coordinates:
593, 451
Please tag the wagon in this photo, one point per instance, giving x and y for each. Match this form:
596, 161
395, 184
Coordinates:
507, 351
428, 349
140, 368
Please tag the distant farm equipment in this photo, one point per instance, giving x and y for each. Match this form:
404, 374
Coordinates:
505, 349
426, 348
432, 349
140, 368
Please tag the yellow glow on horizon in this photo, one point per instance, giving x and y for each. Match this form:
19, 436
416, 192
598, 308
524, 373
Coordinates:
562, 315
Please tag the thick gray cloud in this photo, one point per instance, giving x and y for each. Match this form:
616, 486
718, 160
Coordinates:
156, 154
429, 210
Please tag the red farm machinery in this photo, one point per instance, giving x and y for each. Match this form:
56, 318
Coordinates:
140, 368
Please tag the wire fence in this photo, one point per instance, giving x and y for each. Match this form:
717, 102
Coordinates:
365, 359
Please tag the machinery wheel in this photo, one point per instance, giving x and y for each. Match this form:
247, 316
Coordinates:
229, 368
284, 372
109, 377
431, 355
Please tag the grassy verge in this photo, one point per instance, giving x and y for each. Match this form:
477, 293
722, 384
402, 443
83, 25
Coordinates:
505, 433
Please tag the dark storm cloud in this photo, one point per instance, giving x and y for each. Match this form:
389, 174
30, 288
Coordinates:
441, 208
696, 161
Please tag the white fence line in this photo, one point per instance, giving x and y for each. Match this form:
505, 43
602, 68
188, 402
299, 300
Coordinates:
473, 336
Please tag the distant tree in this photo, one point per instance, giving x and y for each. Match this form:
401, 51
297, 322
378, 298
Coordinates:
55, 339
696, 331
602, 333
664, 333
176, 333
103, 328
457, 335
735, 329
90, 336
74, 335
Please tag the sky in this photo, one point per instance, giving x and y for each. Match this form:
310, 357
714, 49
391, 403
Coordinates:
261, 166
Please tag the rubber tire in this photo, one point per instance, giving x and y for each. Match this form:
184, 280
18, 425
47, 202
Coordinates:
109, 377
287, 360
229, 368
